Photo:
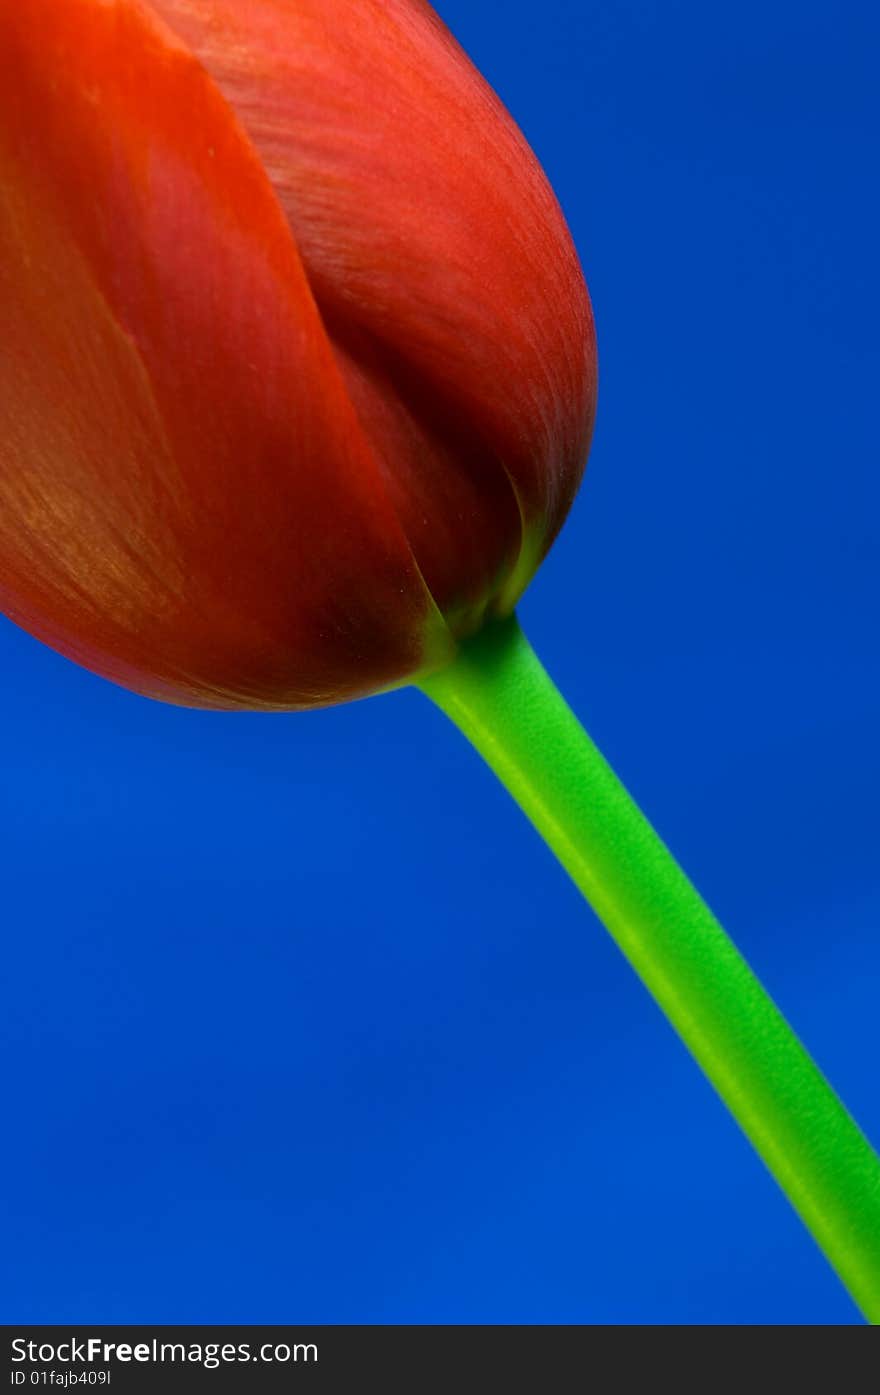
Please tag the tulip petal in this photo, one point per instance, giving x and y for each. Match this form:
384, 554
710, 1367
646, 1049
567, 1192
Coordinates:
439, 258
188, 503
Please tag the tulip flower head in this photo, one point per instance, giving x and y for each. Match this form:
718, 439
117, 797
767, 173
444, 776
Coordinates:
297, 371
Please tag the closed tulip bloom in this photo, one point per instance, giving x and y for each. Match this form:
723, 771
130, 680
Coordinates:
297, 369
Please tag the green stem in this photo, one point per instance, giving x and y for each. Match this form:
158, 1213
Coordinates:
501, 698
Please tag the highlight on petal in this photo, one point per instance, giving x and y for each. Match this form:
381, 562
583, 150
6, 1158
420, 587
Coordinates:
188, 502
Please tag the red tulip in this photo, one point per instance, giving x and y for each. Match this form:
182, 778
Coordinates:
297, 372
297, 379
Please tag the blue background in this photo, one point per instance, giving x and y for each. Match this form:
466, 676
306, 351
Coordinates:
302, 1022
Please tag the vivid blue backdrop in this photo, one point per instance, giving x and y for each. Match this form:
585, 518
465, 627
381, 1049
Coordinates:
301, 1020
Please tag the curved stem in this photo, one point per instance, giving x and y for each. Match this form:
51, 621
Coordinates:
501, 698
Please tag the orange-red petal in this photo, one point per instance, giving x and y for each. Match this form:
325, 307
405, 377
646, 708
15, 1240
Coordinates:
440, 260
188, 503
